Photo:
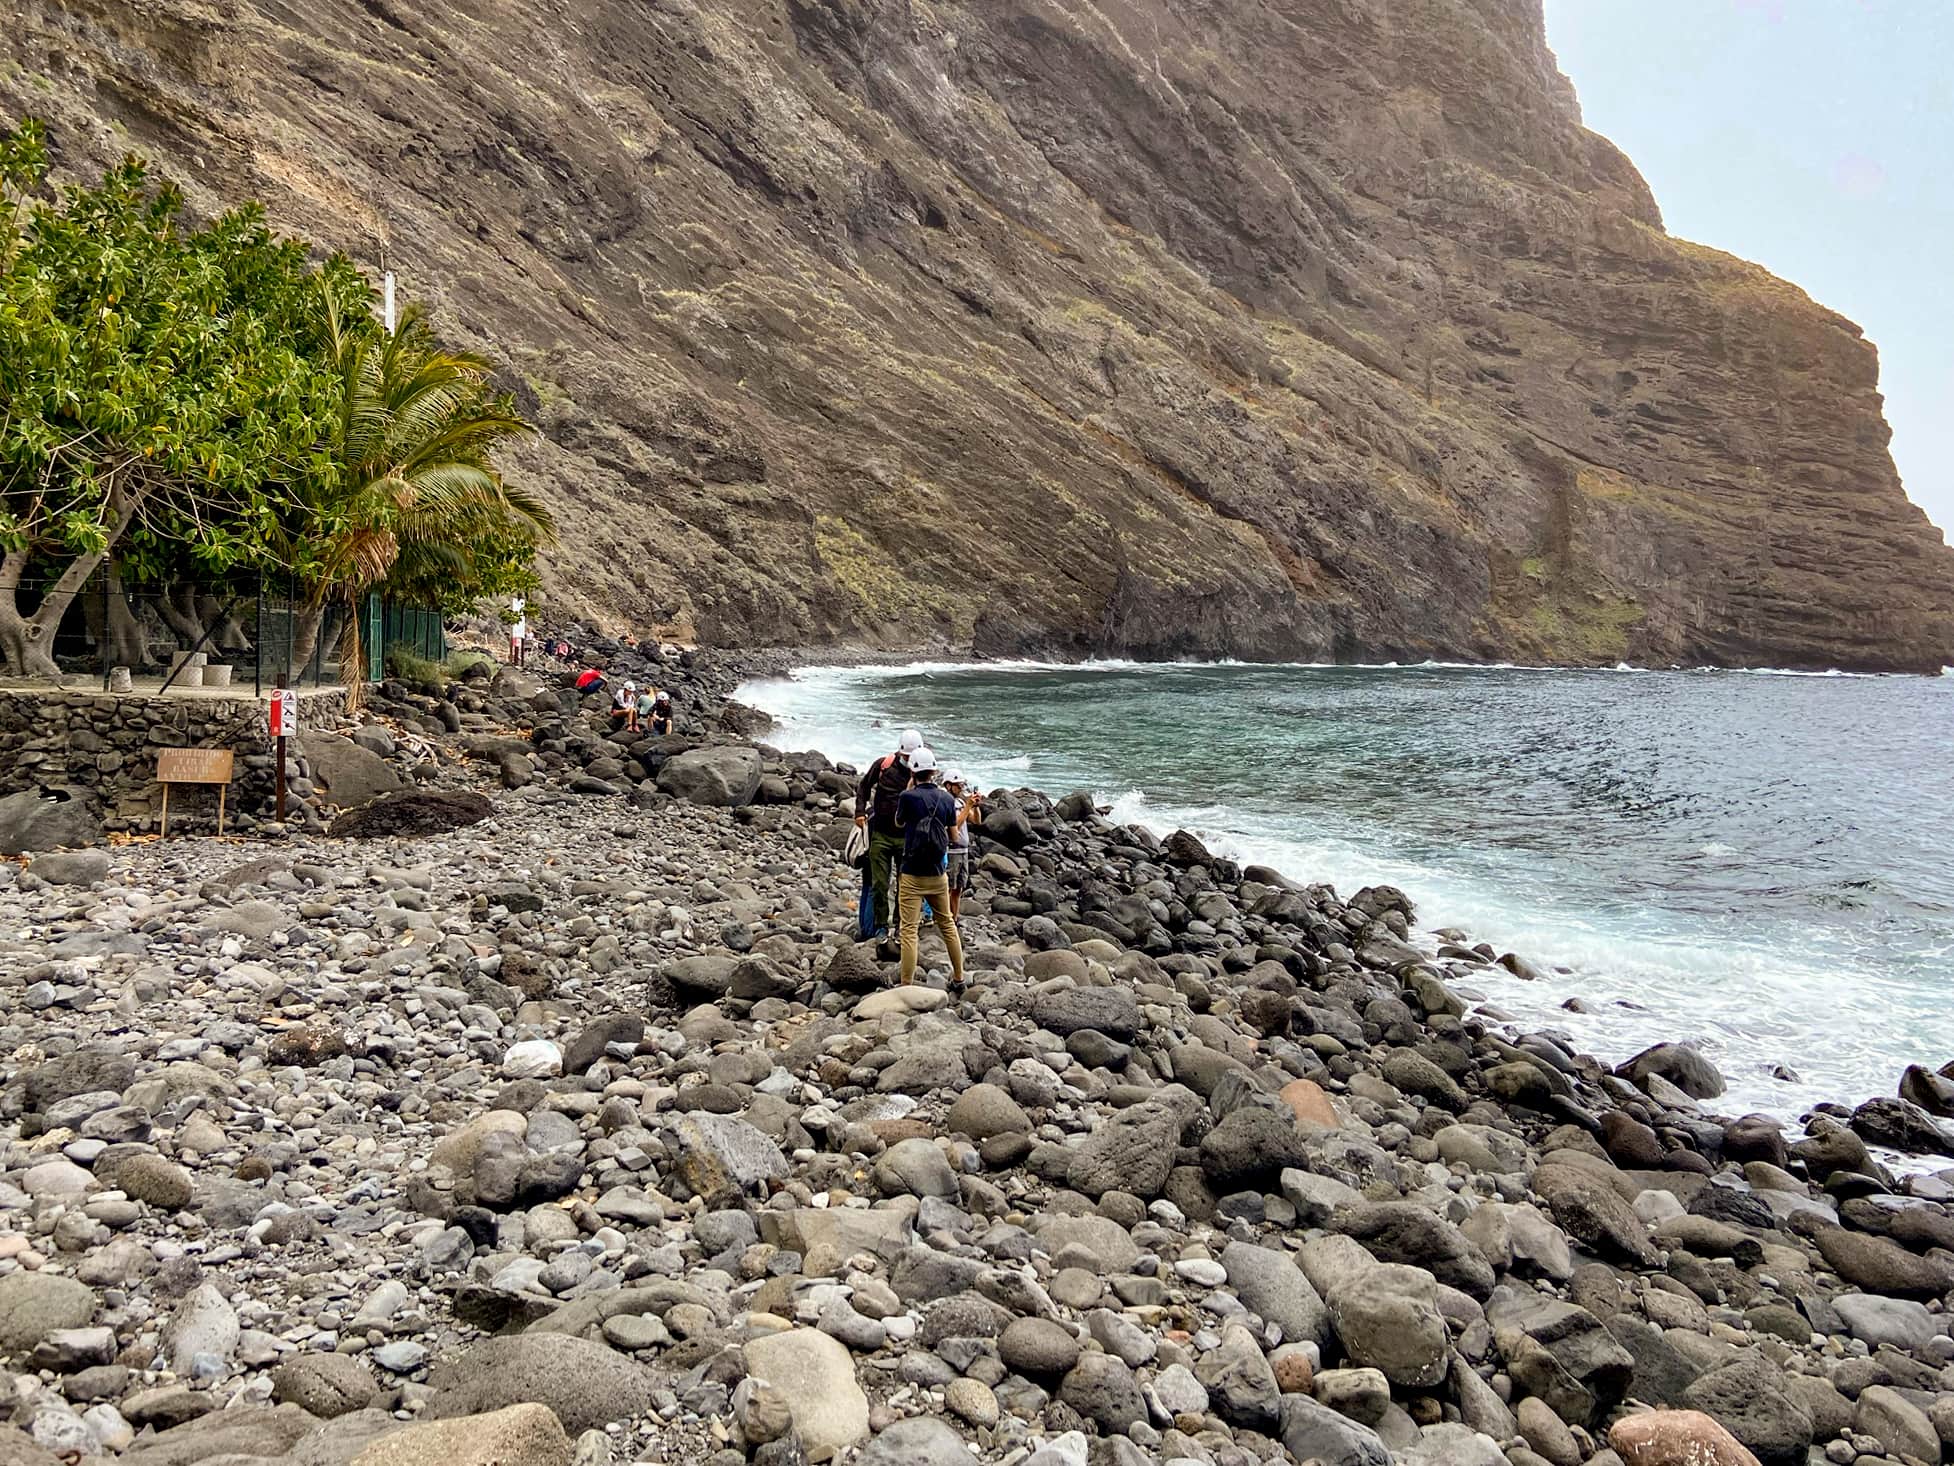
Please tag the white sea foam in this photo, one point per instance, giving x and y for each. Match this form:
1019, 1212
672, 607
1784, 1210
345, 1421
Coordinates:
881, 671
1808, 997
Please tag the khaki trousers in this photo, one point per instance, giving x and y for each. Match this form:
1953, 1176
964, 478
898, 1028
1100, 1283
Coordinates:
912, 890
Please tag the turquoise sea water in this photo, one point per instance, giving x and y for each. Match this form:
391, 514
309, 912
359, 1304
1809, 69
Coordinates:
1762, 862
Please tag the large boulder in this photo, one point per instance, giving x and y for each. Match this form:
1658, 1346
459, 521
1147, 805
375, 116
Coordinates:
984, 1111
519, 1435
922, 1440
59, 818
1387, 1316
513, 684
1590, 1210
1749, 1398
1676, 1438
34, 1305
1112, 1011
1882, 1267
72, 867
1680, 1064
1239, 1381
349, 774
1131, 1150
724, 777
586, 1384
1559, 1353
1903, 1125
721, 1156
1252, 1146
1315, 1432
327, 1385
1898, 1424
90, 1070
816, 1375
1272, 1286
1403, 1231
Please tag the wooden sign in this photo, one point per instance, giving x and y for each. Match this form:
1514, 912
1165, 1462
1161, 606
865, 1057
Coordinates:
194, 766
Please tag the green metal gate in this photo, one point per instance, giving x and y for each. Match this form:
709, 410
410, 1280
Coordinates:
388, 625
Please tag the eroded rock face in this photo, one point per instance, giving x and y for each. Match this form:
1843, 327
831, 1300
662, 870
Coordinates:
1340, 337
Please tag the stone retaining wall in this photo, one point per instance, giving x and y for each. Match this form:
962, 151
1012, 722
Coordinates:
107, 745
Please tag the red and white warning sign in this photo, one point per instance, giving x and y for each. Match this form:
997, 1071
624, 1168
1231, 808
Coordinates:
284, 712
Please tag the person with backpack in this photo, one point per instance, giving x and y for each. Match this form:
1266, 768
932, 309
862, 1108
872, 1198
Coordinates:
875, 811
925, 814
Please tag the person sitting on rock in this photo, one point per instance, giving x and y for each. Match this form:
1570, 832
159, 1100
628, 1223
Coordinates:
624, 707
661, 715
875, 811
641, 713
924, 813
590, 680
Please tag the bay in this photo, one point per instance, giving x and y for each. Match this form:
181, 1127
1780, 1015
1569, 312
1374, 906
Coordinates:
1761, 863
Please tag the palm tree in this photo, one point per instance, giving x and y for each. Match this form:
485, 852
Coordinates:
414, 492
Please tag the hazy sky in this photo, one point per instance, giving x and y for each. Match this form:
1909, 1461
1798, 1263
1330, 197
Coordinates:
1815, 137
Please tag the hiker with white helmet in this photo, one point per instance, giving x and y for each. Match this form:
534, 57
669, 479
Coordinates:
875, 811
925, 813
970, 811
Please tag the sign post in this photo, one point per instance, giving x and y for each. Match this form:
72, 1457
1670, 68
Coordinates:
194, 766
284, 707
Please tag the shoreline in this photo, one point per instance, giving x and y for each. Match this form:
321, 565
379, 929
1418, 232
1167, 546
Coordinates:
593, 1109
814, 659
1573, 1016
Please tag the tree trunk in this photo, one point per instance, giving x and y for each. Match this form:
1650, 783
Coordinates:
179, 608
305, 637
229, 635
352, 661
28, 641
24, 653
128, 641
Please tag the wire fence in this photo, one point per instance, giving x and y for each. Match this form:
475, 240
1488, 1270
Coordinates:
256, 632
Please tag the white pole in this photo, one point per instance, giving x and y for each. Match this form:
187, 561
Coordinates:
390, 302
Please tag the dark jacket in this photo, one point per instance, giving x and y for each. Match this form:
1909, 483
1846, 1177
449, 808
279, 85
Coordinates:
924, 799
881, 787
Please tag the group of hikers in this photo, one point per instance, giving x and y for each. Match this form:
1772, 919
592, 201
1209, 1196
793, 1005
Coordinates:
634, 709
912, 840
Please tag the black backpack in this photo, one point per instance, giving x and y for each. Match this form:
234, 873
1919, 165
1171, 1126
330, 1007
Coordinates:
931, 839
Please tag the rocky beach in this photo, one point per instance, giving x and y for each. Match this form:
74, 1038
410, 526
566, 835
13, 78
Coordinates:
543, 1110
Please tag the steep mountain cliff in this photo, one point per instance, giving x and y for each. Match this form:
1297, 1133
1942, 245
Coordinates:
1257, 328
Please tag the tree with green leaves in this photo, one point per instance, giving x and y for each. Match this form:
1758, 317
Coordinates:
182, 404
160, 386
415, 506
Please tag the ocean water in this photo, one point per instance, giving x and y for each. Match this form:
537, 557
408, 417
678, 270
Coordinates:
1760, 862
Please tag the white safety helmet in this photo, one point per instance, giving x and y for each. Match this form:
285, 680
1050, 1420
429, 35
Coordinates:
954, 776
922, 761
630, 687
910, 741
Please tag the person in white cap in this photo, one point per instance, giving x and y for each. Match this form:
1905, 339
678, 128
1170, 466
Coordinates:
925, 814
624, 706
875, 811
970, 811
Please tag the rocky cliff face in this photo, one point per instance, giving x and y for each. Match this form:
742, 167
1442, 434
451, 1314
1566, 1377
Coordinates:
1262, 328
